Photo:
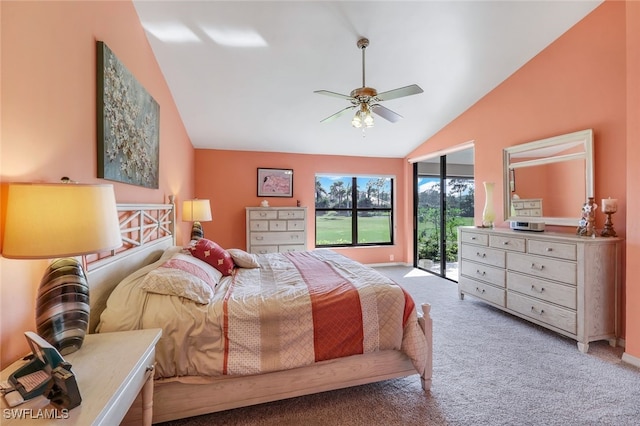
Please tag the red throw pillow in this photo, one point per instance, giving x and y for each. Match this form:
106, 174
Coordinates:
214, 255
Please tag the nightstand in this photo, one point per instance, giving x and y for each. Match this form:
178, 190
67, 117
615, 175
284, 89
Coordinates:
111, 369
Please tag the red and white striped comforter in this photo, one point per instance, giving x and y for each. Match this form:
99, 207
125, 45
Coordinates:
296, 309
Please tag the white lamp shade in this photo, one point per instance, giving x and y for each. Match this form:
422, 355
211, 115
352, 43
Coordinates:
60, 220
196, 211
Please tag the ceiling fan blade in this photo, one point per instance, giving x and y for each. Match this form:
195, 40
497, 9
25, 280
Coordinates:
414, 89
334, 94
337, 114
386, 113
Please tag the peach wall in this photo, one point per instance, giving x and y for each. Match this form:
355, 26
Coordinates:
633, 176
574, 84
49, 121
229, 180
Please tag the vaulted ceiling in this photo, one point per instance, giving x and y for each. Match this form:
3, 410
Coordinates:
243, 74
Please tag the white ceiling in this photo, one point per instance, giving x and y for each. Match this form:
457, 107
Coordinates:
261, 98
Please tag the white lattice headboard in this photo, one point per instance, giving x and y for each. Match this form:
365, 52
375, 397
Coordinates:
147, 231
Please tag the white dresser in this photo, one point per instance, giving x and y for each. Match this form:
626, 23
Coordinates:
527, 207
563, 282
276, 229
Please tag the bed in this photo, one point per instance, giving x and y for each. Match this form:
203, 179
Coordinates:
220, 372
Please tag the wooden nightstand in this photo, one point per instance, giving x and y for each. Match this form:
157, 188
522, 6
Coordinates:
110, 369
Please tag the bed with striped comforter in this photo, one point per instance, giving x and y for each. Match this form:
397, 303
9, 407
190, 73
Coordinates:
294, 310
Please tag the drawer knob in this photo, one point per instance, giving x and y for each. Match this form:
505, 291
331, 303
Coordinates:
150, 368
480, 290
539, 268
473, 238
259, 238
481, 254
262, 214
506, 243
535, 311
549, 249
481, 273
533, 288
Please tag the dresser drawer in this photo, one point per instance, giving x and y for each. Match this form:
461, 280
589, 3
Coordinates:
529, 212
263, 249
484, 255
555, 316
295, 225
527, 204
543, 267
276, 238
473, 238
563, 295
553, 249
291, 214
507, 243
483, 291
278, 225
259, 225
483, 272
263, 214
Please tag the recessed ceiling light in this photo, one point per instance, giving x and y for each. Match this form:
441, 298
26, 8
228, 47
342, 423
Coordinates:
172, 32
235, 37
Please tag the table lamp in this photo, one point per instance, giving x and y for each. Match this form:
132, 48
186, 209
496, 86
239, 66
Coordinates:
196, 211
46, 221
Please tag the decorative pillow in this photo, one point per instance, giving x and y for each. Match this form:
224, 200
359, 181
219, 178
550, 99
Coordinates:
184, 276
242, 259
213, 254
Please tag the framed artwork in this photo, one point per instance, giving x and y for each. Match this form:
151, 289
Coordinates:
275, 182
128, 124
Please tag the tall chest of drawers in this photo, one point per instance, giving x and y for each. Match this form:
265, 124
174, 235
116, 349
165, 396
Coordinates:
276, 229
565, 283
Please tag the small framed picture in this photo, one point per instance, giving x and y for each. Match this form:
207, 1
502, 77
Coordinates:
275, 182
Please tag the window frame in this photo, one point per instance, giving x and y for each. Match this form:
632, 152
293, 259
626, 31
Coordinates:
354, 210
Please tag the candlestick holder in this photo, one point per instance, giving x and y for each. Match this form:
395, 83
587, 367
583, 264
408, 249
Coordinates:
608, 230
609, 207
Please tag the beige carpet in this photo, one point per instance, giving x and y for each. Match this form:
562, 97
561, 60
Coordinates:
490, 368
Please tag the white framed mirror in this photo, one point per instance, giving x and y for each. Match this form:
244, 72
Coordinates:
550, 179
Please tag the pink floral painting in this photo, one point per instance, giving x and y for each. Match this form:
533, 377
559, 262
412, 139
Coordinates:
275, 183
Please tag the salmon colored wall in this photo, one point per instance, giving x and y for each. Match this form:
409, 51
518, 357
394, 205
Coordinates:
632, 348
541, 182
576, 83
49, 121
229, 180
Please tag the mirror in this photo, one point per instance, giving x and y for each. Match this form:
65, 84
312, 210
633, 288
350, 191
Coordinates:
549, 180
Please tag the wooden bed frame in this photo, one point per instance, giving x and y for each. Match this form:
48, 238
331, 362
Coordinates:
147, 231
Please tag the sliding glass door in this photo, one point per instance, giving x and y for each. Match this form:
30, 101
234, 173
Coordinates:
443, 201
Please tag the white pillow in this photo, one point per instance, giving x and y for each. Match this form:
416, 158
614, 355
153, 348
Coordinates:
184, 276
243, 259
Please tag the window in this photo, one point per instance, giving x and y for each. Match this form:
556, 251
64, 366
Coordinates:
354, 210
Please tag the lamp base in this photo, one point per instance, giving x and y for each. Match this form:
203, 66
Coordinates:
196, 231
62, 306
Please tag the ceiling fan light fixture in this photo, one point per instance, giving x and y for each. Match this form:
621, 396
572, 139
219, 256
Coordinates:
362, 117
356, 121
364, 98
368, 119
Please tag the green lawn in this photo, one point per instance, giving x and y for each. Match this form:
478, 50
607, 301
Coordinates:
337, 229
332, 229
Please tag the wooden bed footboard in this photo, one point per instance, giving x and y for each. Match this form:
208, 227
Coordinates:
173, 399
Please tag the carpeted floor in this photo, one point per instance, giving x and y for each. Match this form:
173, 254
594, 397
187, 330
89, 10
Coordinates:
490, 368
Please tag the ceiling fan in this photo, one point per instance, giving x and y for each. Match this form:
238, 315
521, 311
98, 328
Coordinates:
365, 99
